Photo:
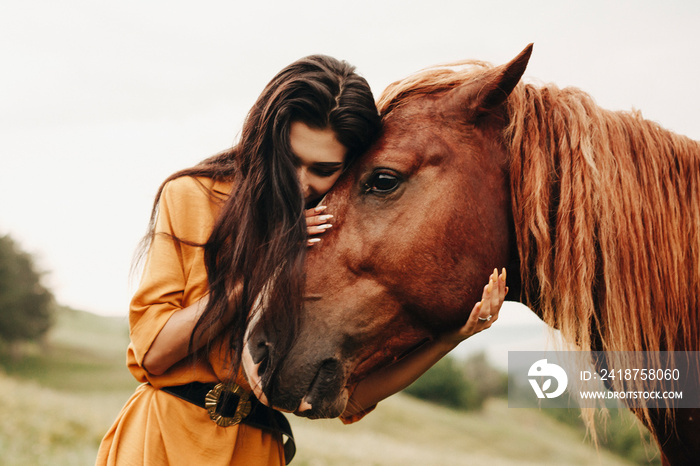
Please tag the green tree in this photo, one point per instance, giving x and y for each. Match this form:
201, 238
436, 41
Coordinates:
460, 384
25, 304
445, 384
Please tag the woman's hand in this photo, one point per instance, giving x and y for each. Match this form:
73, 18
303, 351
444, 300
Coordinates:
316, 224
485, 312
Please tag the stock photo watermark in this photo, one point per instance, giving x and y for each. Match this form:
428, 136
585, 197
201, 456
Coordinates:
564, 379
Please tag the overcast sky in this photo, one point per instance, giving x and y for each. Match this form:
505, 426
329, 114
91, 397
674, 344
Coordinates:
100, 101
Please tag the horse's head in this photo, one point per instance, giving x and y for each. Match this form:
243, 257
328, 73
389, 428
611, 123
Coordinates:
420, 221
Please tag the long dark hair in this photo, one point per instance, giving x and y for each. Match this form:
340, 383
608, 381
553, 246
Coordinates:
259, 238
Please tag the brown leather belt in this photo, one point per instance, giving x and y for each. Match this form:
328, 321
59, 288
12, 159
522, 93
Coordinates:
229, 404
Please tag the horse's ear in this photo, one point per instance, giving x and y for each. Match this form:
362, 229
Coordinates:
495, 87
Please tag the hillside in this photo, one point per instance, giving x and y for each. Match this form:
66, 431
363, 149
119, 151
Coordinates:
57, 405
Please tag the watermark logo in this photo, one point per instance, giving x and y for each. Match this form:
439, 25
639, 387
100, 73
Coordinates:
614, 379
550, 371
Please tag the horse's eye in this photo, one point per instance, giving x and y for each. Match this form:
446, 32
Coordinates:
382, 183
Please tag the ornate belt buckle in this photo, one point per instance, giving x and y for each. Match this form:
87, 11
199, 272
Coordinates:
211, 402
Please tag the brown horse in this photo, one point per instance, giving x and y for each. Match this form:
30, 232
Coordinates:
596, 215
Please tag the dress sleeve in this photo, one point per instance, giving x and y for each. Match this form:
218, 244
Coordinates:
174, 274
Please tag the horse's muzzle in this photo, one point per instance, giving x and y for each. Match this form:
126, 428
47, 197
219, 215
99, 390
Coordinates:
314, 389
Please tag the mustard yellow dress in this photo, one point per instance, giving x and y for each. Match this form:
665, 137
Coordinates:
154, 427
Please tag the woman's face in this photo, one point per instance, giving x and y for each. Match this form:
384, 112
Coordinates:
320, 158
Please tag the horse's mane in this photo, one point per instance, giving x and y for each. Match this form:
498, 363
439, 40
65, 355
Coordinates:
606, 207
607, 214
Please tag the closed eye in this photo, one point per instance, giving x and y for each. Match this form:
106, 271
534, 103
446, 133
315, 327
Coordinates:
325, 172
326, 169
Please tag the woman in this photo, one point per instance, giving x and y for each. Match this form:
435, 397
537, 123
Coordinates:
219, 232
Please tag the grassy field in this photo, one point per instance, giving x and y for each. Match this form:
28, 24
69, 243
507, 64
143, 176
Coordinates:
57, 404
59, 400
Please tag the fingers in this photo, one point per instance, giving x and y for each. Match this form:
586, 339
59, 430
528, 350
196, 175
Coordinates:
495, 292
475, 315
492, 297
318, 229
316, 223
311, 214
480, 319
502, 288
485, 308
315, 216
486, 300
485, 312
